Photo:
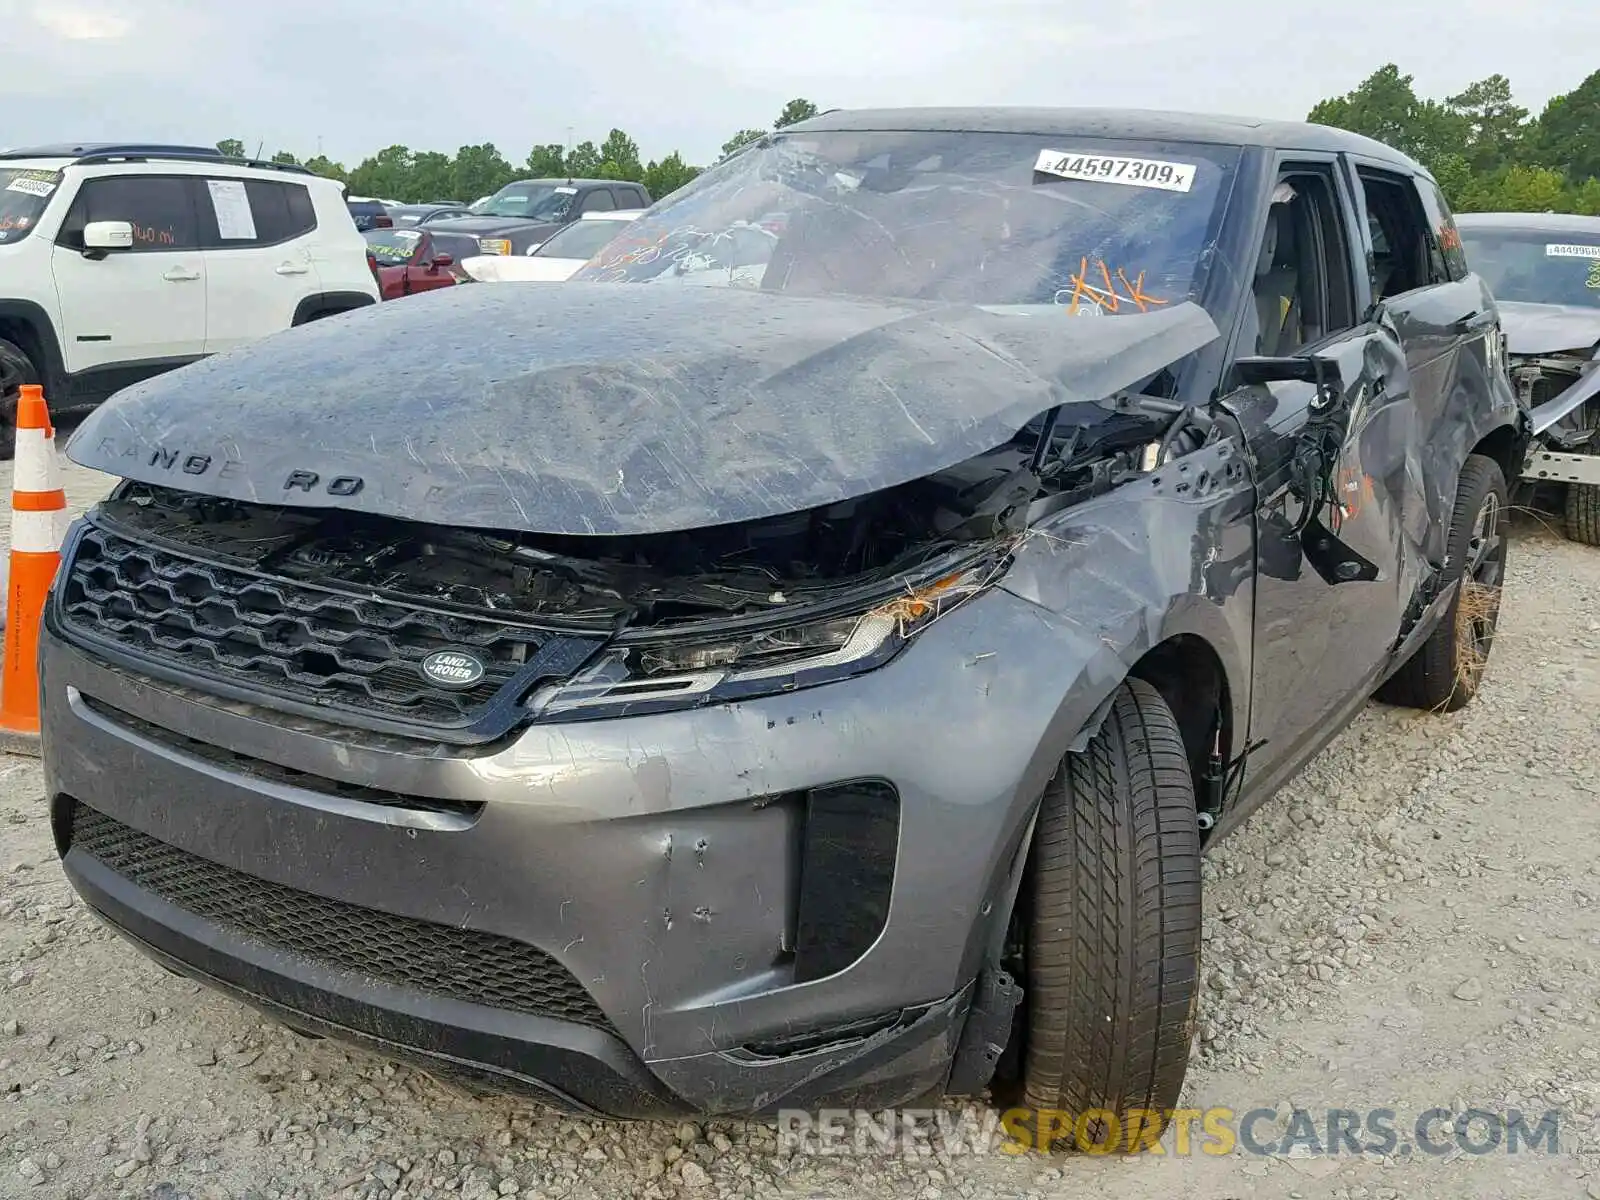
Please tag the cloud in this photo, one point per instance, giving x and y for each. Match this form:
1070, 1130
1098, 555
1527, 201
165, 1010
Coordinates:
82, 24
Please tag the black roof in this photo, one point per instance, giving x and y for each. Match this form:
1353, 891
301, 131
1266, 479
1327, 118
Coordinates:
1133, 123
1531, 222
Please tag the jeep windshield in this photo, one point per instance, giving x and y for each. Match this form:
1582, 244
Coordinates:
1093, 225
1537, 266
24, 191
529, 201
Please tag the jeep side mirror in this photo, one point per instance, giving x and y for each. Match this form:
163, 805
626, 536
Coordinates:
1258, 369
107, 235
440, 261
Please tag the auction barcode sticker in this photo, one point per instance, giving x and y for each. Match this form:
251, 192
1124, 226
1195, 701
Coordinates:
32, 187
1117, 168
1558, 251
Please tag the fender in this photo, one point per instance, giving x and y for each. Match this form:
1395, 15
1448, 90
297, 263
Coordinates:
326, 304
25, 312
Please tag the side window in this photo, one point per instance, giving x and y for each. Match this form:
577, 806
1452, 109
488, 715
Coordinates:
241, 213
598, 200
1303, 285
1446, 237
157, 206
1406, 258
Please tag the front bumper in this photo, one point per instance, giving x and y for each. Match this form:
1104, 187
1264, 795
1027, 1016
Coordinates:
653, 862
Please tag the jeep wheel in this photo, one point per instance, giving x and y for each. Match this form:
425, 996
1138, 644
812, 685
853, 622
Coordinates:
1446, 670
1583, 513
15, 370
1114, 946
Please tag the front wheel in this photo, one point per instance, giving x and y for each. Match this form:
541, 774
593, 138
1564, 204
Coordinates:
1583, 513
15, 370
1445, 672
1114, 946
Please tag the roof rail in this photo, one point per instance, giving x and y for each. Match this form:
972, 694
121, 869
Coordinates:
103, 152
76, 150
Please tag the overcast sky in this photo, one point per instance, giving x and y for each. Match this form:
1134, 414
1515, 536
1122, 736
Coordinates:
684, 74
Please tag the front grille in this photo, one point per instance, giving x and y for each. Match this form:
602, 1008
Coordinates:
463, 964
307, 644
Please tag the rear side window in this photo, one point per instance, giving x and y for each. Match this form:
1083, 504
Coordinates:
598, 200
159, 207
240, 213
1445, 234
1405, 256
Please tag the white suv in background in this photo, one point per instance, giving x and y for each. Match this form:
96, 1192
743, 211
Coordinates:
118, 262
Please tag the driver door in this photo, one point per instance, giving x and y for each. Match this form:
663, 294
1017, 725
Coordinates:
1333, 581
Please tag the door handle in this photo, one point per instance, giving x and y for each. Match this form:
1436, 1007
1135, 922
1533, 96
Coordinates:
291, 269
181, 275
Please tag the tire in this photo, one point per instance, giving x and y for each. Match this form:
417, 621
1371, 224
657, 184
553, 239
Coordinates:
1583, 513
16, 369
1446, 670
1113, 953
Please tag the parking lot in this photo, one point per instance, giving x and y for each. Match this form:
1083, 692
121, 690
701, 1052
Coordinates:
1411, 925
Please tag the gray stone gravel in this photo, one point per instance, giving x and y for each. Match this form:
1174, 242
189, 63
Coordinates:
1411, 924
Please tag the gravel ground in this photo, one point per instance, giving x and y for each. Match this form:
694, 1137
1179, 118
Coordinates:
1412, 924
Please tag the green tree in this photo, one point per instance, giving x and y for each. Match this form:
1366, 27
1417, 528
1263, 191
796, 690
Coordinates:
1567, 133
668, 175
743, 138
432, 177
794, 112
283, 156
1586, 198
1496, 126
1518, 189
1384, 106
479, 170
231, 147
547, 161
621, 153
386, 174
584, 161
327, 168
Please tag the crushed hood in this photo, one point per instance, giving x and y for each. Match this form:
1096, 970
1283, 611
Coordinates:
597, 408
1548, 328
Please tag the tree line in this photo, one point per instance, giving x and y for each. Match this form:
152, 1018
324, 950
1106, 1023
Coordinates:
1488, 152
421, 176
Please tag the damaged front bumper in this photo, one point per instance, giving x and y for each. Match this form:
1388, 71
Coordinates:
780, 901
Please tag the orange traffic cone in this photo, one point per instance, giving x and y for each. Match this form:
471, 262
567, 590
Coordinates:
38, 522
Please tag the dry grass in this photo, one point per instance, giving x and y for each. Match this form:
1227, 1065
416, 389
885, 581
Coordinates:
1478, 603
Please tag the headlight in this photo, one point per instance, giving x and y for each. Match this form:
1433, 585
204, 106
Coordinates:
494, 245
683, 671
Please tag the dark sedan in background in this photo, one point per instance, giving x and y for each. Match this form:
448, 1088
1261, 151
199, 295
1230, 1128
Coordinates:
1544, 269
521, 215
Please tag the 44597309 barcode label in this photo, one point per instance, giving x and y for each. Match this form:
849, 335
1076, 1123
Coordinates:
1117, 168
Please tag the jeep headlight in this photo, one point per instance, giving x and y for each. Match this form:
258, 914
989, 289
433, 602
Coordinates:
660, 672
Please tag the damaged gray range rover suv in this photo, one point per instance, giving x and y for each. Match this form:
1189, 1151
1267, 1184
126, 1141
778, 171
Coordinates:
801, 660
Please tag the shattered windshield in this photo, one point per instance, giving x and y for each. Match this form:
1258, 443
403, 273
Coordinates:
1093, 225
1535, 267
23, 195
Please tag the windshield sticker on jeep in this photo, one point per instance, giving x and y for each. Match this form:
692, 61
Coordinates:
1099, 285
1593, 282
30, 186
1117, 168
1570, 251
566, 191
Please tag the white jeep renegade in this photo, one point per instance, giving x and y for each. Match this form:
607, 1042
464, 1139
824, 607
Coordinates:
118, 262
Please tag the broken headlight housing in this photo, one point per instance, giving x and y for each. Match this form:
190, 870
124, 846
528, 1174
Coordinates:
658, 673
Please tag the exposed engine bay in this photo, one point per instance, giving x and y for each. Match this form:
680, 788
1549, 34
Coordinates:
1541, 378
877, 541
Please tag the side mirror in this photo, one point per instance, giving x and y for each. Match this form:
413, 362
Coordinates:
441, 261
1258, 369
107, 235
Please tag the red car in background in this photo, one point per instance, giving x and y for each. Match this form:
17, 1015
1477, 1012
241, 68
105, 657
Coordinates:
417, 260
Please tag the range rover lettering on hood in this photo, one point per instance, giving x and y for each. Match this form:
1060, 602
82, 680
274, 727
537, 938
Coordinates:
610, 409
